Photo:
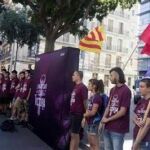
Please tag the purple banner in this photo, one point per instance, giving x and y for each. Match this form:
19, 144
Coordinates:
50, 96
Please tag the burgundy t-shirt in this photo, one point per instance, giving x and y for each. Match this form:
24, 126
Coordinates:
24, 91
140, 111
6, 88
79, 94
95, 99
20, 84
14, 83
119, 97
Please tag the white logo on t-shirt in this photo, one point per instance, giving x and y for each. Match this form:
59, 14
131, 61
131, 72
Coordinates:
72, 98
114, 105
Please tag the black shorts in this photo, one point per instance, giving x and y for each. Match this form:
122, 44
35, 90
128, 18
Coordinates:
76, 123
5, 100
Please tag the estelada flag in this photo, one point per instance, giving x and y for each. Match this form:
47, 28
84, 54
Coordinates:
145, 36
146, 49
93, 41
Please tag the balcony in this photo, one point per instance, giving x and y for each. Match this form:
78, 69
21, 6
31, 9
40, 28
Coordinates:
120, 14
115, 48
117, 31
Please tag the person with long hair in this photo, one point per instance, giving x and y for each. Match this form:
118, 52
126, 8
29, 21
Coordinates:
116, 116
91, 117
141, 132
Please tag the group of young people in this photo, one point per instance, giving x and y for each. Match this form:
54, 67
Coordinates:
14, 94
113, 123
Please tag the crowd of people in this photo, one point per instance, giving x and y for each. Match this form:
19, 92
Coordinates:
112, 121
14, 94
90, 108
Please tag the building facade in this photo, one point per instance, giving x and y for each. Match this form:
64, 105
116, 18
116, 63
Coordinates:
121, 28
143, 60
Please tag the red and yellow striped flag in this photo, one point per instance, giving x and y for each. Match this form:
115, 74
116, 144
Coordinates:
93, 41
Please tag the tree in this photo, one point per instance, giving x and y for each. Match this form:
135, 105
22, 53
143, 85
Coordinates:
15, 27
58, 17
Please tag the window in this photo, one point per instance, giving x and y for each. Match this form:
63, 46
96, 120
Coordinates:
32, 51
95, 75
119, 46
106, 80
118, 61
129, 81
66, 37
131, 62
133, 12
108, 60
121, 28
109, 43
110, 25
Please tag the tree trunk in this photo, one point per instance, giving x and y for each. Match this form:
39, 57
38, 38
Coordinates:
16, 57
50, 42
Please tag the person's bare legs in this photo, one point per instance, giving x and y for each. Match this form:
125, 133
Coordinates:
93, 141
74, 143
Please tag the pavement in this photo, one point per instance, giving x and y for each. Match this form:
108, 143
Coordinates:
21, 139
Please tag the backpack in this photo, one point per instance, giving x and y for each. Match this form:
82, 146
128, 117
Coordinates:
101, 111
8, 126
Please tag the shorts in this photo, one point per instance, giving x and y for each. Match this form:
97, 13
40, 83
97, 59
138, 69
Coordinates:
24, 107
21, 104
92, 129
76, 123
5, 100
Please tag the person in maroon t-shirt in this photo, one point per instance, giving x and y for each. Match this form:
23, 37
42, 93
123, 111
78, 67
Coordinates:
14, 83
1, 83
77, 108
6, 90
116, 116
16, 105
24, 96
142, 138
92, 113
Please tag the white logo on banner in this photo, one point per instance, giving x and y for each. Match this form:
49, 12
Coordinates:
40, 94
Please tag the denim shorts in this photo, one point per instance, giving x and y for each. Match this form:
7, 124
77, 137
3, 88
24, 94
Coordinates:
92, 129
145, 146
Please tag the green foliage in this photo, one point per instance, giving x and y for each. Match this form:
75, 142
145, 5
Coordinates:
15, 26
61, 16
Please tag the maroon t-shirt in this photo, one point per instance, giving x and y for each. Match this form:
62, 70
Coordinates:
1, 83
20, 84
6, 88
14, 83
79, 94
24, 91
119, 97
95, 99
140, 111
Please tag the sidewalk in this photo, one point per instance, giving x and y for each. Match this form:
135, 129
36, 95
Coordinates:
22, 139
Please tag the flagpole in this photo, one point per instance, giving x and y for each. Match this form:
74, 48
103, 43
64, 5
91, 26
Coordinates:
131, 55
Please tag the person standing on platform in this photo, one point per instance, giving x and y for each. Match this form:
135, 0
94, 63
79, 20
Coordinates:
14, 83
16, 105
116, 116
24, 96
6, 91
1, 99
77, 108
